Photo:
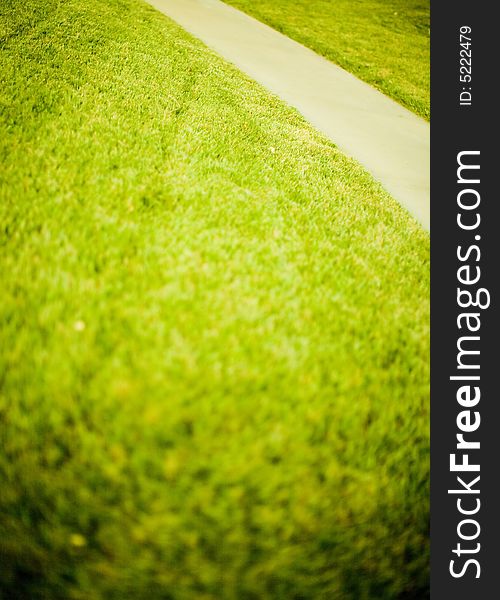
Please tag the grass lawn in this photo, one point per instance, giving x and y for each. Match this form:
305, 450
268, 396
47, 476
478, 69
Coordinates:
215, 358
383, 42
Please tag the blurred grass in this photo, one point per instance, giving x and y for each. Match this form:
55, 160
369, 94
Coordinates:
383, 42
214, 361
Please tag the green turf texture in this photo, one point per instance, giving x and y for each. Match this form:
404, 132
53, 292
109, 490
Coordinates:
215, 358
383, 42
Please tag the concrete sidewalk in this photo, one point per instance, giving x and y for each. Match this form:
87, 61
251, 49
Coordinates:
391, 142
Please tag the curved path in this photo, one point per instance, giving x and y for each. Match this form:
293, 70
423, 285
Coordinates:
392, 143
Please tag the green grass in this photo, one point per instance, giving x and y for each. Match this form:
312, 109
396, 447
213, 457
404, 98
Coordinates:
214, 364
383, 42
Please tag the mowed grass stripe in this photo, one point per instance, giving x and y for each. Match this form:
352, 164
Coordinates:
384, 42
214, 366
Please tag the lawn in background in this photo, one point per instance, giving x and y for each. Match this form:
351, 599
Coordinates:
215, 358
383, 42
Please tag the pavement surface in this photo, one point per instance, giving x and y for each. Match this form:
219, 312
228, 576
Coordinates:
392, 143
